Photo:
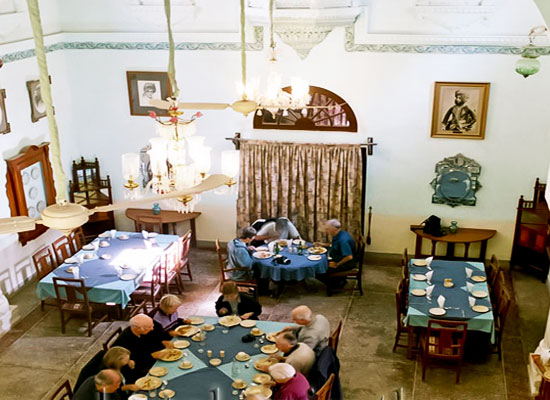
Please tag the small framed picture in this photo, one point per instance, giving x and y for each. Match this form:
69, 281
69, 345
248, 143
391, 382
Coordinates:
144, 87
38, 108
4, 124
460, 110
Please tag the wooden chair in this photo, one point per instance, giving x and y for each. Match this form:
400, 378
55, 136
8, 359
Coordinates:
44, 263
112, 338
492, 271
355, 273
249, 286
63, 392
444, 340
185, 246
500, 320
150, 223
149, 291
544, 388
405, 264
324, 392
401, 312
72, 297
76, 239
62, 249
334, 337
496, 290
170, 269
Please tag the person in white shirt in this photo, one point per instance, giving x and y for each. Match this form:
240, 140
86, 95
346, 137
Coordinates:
312, 329
280, 228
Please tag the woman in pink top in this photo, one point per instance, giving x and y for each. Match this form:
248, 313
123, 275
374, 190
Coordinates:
291, 385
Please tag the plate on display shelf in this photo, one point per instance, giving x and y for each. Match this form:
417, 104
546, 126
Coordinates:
262, 255
437, 311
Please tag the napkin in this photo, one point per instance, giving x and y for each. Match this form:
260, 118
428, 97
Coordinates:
148, 244
429, 290
468, 272
81, 258
145, 234
441, 301
429, 262
429, 275
76, 272
95, 243
470, 286
472, 301
113, 233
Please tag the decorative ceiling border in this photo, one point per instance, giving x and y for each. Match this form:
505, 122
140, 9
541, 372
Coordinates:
351, 46
256, 45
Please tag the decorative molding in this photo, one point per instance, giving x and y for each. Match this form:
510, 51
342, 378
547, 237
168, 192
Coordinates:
352, 46
256, 45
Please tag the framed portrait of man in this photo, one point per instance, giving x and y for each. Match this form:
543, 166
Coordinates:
460, 110
144, 87
4, 124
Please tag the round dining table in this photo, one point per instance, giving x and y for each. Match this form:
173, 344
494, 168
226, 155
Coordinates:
300, 266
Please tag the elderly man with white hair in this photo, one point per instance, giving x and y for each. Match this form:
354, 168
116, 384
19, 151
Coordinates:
312, 329
291, 385
140, 339
104, 385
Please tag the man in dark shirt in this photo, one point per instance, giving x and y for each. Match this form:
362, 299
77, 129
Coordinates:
102, 386
341, 252
141, 340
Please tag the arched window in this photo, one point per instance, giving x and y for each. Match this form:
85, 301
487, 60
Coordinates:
338, 118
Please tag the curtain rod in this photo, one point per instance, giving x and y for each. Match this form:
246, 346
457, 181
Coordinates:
369, 145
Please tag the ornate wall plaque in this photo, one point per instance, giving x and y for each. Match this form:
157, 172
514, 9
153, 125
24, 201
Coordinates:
456, 182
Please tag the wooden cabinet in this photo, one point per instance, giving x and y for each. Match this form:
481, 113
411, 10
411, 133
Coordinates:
89, 190
531, 235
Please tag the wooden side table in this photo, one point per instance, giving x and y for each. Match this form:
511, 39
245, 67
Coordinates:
466, 236
168, 217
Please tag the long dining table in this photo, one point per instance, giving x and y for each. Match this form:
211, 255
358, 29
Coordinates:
457, 298
115, 269
206, 382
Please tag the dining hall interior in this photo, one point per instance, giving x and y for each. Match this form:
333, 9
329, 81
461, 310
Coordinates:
383, 164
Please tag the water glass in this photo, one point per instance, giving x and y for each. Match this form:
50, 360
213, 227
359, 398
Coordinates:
153, 393
225, 330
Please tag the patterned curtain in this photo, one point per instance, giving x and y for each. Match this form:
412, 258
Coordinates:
308, 183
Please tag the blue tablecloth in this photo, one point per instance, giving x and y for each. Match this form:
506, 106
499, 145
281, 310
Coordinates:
199, 382
456, 298
299, 268
134, 256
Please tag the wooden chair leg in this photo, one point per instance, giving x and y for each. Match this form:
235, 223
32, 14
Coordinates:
396, 341
458, 370
424, 365
42, 305
360, 281
90, 327
62, 321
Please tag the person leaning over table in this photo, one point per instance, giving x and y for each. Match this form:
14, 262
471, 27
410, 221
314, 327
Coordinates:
299, 355
342, 250
140, 339
238, 255
291, 385
103, 386
166, 318
278, 228
312, 329
231, 302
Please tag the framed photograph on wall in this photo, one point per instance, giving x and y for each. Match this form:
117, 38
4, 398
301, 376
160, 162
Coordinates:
144, 87
4, 124
460, 110
38, 108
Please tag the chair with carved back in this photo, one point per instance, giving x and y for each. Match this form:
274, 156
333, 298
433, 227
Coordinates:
497, 288
544, 388
334, 337
444, 340
150, 223
492, 271
44, 263
62, 249
185, 246
405, 264
170, 269
355, 273
72, 296
249, 286
76, 239
63, 392
324, 392
401, 312
501, 314
112, 338
150, 289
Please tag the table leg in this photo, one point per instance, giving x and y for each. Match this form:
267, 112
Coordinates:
434, 242
450, 250
165, 229
418, 247
193, 233
174, 228
466, 250
483, 251
410, 341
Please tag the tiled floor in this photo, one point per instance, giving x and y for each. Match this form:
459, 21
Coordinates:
35, 356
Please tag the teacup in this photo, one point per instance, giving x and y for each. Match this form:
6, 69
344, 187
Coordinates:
255, 331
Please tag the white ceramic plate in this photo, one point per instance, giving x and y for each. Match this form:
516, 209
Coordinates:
123, 237
105, 256
242, 356
128, 277
420, 263
196, 320
185, 364
104, 243
104, 235
419, 277
71, 260
181, 344
314, 257
138, 396
262, 255
480, 294
248, 323
437, 311
89, 256
262, 248
480, 308
418, 292
88, 247
153, 234
478, 278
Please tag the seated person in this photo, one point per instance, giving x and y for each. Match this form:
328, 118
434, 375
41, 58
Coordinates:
312, 329
231, 302
166, 317
342, 248
299, 355
91, 368
102, 386
279, 228
140, 339
291, 385
238, 255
